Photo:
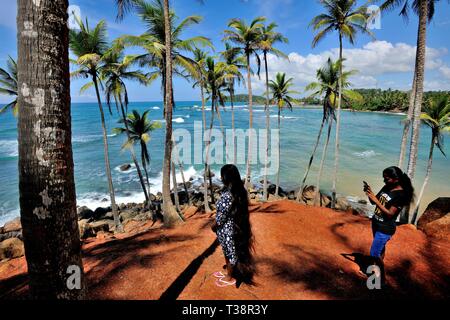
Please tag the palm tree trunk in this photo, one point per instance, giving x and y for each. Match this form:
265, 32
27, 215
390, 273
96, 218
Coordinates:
175, 188
338, 126
232, 126
144, 163
46, 174
407, 125
107, 164
420, 73
170, 215
250, 124
205, 184
133, 154
180, 165
318, 198
300, 191
279, 151
219, 117
208, 145
203, 107
266, 160
425, 182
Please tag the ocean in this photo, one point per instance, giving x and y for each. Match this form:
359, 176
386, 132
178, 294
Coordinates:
369, 143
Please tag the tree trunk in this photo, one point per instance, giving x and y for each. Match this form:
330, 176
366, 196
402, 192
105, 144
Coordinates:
171, 217
338, 126
144, 164
265, 195
407, 125
300, 191
205, 184
133, 155
46, 172
420, 73
175, 188
180, 166
318, 198
232, 125
279, 152
208, 145
250, 124
425, 182
107, 164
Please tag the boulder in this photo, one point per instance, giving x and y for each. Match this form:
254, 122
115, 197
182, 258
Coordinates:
85, 213
342, 204
125, 167
435, 210
128, 214
13, 225
11, 248
439, 229
85, 230
102, 225
309, 194
100, 212
12, 234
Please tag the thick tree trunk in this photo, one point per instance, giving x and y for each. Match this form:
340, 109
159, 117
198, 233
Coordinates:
107, 164
46, 173
266, 159
420, 73
318, 198
171, 216
338, 126
407, 125
425, 182
250, 124
279, 152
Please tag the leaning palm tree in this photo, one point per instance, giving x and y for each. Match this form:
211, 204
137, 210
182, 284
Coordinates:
280, 90
8, 85
114, 72
89, 46
436, 116
138, 129
325, 88
269, 37
343, 17
246, 38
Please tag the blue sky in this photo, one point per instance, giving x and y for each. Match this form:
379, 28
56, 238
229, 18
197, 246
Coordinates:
386, 62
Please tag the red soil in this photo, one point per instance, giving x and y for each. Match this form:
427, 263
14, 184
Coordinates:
298, 255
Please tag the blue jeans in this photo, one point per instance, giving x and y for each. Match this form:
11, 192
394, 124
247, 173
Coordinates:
379, 244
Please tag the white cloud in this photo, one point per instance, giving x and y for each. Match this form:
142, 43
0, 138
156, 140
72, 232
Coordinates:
375, 59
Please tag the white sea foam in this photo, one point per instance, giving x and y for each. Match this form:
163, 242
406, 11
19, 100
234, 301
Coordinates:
284, 117
86, 139
156, 108
365, 154
178, 120
11, 215
9, 148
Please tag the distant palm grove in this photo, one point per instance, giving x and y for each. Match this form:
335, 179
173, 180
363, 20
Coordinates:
38, 83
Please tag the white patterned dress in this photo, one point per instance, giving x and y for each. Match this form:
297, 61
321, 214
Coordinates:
225, 226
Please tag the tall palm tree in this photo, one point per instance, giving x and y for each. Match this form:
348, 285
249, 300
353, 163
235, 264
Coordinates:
280, 90
8, 85
343, 17
46, 173
246, 38
89, 46
114, 73
269, 37
436, 116
326, 88
138, 129
233, 58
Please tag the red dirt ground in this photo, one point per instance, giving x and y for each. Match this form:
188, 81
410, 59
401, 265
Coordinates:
299, 255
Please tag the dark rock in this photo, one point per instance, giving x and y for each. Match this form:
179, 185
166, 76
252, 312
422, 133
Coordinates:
272, 188
435, 210
12, 234
125, 167
85, 213
11, 248
100, 212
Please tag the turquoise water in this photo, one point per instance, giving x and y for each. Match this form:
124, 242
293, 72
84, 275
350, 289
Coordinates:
369, 143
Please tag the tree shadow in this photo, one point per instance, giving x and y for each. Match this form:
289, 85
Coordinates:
14, 288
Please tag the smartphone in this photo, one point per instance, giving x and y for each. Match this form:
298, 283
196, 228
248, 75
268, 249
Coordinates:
366, 186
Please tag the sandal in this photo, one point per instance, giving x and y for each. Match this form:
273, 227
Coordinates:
222, 283
218, 274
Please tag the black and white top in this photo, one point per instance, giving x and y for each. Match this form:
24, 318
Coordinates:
389, 199
225, 226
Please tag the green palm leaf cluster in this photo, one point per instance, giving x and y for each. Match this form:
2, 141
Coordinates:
280, 90
8, 85
436, 115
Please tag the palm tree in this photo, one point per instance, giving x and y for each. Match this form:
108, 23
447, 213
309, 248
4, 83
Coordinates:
114, 73
343, 17
280, 90
246, 38
326, 88
89, 46
46, 173
234, 59
138, 129
436, 116
8, 83
269, 37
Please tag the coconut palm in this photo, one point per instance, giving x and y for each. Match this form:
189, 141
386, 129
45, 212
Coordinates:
233, 58
89, 46
436, 116
326, 88
138, 129
280, 90
343, 17
8, 85
269, 37
46, 172
115, 71
246, 38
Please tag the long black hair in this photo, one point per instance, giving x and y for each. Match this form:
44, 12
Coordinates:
244, 269
403, 180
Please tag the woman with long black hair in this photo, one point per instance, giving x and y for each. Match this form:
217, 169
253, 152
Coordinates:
396, 194
233, 229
